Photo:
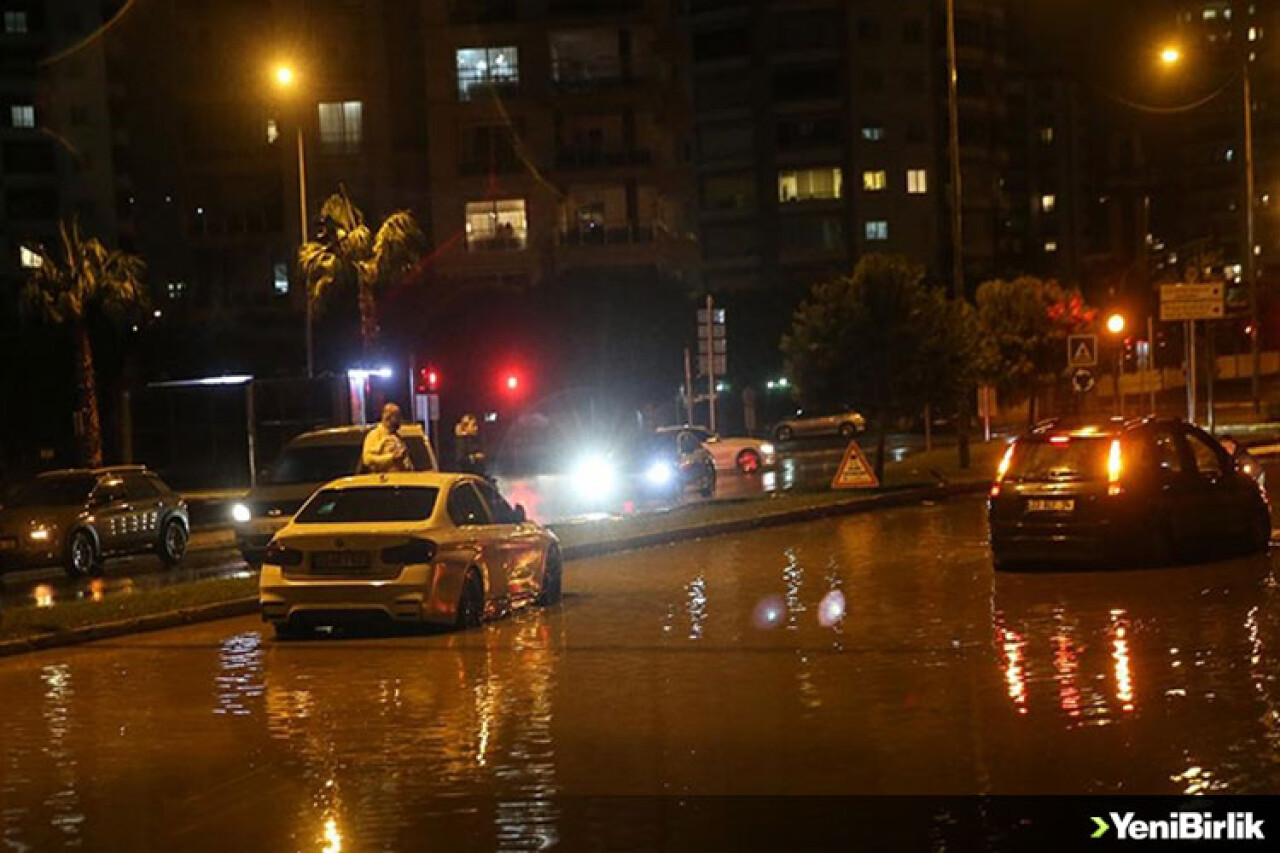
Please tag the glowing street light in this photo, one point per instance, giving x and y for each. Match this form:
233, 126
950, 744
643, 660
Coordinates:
1171, 55
1115, 324
284, 79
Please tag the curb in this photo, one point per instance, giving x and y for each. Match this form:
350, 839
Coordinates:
885, 500
249, 606
139, 625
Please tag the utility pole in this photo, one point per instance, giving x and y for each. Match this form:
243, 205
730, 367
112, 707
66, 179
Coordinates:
1250, 259
957, 234
302, 241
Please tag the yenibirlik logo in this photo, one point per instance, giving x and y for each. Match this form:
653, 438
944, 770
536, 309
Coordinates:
1182, 826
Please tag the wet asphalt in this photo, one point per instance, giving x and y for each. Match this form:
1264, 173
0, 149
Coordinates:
865, 655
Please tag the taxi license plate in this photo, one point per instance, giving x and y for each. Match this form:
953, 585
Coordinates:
339, 561
8, 544
1050, 505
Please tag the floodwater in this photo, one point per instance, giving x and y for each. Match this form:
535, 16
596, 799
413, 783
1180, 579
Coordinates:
872, 654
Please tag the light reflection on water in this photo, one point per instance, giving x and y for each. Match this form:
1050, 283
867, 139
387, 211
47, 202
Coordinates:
886, 657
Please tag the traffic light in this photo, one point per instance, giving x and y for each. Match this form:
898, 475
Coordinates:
427, 381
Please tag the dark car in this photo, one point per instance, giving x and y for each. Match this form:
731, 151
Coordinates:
76, 518
672, 462
1150, 491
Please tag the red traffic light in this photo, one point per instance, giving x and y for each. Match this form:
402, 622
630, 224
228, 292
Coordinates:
427, 381
513, 382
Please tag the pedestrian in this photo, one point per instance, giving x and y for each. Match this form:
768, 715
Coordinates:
384, 451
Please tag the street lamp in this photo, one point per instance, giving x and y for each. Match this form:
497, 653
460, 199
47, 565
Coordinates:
1115, 325
284, 80
1171, 56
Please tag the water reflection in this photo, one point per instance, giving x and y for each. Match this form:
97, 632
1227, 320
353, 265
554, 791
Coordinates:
1119, 632
64, 803
239, 677
468, 714
696, 606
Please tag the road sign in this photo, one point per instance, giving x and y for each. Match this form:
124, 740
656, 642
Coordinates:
1082, 380
721, 366
854, 472
1082, 350
1192, 302
717, 316
721, 345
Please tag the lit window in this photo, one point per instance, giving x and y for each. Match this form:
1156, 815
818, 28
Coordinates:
341, 125
1254, 33
481, 67
874, 180
280, 279
1050, 246
872, 132
1048, 202
1210, 14
273, 131
1229, 155
177, 289
1046, 134
30, 260
807, 184
496, 225
22, 115
15, 23
877, 229
917, 181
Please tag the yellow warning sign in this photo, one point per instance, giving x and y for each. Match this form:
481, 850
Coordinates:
854, 471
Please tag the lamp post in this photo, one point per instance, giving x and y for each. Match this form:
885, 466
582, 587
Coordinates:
1170, 56
1115, 325
284, 80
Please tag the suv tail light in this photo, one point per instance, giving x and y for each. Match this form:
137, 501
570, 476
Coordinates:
1001, 471
278, 555
1115, 467
414, 552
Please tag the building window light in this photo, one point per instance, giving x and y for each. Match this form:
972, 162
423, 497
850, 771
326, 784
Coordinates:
1048, 202
917, 181
874, 180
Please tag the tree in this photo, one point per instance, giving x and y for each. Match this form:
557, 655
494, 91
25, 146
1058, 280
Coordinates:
66, 289
1027, 321
349, 254
882, 339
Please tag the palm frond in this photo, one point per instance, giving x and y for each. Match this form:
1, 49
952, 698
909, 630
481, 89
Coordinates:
398, 246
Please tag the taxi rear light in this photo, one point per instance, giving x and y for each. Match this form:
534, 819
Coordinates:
278, 555
1060, 440
1115, 467
412, 552
1003, 469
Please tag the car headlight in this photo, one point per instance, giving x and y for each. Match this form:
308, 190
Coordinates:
593, 476
240, 513
659, 473
766, 448
40, 534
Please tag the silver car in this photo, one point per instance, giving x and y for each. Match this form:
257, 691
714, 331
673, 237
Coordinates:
845, 423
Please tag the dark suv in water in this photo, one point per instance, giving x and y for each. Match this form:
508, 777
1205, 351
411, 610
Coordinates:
1153, 491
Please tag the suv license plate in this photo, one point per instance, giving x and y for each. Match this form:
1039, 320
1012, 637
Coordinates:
1045, 505
339, 561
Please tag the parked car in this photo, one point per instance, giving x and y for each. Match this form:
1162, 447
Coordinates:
843, 422
748, 455
1111, 491
306, 463
77, 518
442, 549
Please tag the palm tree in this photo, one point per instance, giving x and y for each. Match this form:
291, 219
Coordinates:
67, 290
349, 253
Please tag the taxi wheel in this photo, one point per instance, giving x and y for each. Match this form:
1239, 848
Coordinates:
82, 555
471, 603
748, 462
173, 542
551, 580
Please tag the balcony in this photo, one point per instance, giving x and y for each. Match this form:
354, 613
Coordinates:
590, 158
608, 235
573, 76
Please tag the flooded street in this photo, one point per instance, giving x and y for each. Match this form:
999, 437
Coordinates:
872, 654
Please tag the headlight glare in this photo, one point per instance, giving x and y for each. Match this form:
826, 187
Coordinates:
593, 476
659, 473
240, 513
